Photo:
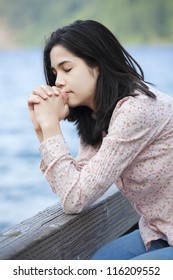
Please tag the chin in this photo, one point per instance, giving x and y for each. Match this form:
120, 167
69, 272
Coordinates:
73, 104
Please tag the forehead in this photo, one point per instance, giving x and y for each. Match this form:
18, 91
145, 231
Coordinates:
59, 54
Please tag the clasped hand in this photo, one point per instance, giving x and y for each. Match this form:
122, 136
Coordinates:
47, 106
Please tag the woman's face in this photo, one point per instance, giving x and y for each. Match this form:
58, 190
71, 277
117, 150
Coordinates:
74, 76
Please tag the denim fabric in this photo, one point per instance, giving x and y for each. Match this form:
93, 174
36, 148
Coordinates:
131, 247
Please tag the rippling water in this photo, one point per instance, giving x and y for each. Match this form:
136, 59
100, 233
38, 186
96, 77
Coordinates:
23, 189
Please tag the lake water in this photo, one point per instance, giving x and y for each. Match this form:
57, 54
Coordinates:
23, 189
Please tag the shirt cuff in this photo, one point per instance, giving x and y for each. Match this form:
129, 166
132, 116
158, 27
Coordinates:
53, 148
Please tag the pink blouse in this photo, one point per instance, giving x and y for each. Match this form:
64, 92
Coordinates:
136, 155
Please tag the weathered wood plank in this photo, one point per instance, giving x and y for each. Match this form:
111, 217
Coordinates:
51, 234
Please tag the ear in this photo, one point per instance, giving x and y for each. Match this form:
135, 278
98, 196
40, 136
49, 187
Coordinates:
96, 71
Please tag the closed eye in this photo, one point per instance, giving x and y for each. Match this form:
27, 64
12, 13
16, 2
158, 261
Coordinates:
67, 70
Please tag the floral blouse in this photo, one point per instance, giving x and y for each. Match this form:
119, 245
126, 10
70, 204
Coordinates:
136, 155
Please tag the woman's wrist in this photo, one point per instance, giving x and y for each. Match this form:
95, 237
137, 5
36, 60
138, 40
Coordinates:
40, 136
50, 130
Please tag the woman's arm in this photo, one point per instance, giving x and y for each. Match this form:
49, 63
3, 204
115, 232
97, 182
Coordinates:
132, 127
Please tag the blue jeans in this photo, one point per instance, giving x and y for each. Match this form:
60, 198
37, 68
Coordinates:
131, 247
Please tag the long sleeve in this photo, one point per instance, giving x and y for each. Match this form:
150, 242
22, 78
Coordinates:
85, 153
135, 123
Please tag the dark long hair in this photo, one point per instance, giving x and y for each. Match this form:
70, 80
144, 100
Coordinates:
119, 74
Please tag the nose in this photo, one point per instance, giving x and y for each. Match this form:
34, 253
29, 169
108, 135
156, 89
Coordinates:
59, 82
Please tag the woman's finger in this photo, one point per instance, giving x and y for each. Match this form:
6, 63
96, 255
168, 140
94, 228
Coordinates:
40, 92
56, 90
47, 89
33, 100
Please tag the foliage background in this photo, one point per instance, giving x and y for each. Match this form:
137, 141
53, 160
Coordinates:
28, 22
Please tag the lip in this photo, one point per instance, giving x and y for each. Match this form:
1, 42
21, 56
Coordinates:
68, 93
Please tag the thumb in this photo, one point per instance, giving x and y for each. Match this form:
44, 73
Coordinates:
64, 95
66, 110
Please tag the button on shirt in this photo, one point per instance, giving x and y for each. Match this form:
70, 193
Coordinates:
136, 155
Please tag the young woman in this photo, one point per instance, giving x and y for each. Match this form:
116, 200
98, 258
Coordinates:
126, 135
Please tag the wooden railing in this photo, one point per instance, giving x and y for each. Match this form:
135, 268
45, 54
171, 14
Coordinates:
52, 234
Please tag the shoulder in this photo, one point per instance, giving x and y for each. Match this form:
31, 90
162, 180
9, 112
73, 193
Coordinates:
141, 113
133, 108
134, 115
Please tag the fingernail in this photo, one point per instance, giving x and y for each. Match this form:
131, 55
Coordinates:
49, 93
57, 91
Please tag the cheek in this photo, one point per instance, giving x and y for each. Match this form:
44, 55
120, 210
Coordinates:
83, 81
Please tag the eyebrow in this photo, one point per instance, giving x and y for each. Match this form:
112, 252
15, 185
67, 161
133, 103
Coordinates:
61, 63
